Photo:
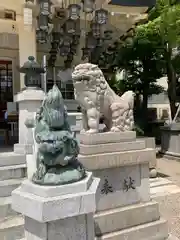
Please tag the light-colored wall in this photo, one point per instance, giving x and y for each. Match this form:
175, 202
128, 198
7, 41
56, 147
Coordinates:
17, 43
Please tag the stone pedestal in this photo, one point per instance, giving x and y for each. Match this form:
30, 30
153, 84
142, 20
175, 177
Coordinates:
59, 212
29, 101
150, 143
170, 141
124, 208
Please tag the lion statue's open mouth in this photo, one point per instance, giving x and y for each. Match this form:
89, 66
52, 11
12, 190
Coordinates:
96, 98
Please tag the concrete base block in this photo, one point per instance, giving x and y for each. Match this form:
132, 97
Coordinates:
11, 158
125, 217
12, 228
150, 231
170, 155
22, 148
112, 147
117, 159
122, 186
7, 186
107, 137
66, 214
12, 172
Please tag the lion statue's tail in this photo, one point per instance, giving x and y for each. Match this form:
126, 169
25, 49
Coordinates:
122, 112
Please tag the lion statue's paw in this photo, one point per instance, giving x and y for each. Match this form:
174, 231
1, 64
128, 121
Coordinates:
116, 129
83, 131
92, 131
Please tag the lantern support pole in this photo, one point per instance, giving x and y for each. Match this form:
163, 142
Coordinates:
44, 76
54, 74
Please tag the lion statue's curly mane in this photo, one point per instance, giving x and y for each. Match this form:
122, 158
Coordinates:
97, 99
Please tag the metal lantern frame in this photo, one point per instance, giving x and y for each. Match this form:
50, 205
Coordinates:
41, 36
91, 41
107, 34
43, 22
44, 7
70, 26
96, 29
101, 16
30, 4
86, 52
74, 11
64, 50
54, 45
29, 1
88, 6
55, 37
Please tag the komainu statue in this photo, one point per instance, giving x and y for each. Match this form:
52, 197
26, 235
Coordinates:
97, 100
57, 161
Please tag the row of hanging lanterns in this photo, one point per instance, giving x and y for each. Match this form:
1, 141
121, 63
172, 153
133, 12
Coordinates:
65, 39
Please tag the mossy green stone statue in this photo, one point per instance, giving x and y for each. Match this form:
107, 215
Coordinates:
57, 161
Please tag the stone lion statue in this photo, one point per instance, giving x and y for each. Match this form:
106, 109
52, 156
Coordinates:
97, 100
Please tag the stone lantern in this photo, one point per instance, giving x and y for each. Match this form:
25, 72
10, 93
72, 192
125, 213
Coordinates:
32, 71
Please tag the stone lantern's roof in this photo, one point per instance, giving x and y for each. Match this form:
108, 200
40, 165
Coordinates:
31, 64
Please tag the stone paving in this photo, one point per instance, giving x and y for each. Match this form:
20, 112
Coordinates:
170, 203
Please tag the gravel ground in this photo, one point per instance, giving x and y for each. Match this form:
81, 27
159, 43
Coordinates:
170, 210
170, 205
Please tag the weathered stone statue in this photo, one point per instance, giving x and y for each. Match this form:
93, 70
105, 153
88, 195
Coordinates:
97, 99
57, 161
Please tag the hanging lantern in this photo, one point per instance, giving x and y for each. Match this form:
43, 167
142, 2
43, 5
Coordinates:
53, 58
73, 49
88, 6
29, 4
51, 61
53, 52
44, 7
70, 56
41, 36
67, 40
64, 50
70, 26
43, 22
61, 30
77, 28
85, 53
74, 11
60, 12
55, 37
96, 30
91, 42
101, 16
54, 45
75, 40
28, 17
108, 35
29, 1
99, 43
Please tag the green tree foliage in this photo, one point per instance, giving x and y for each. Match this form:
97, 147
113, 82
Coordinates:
143, 65
163, 28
